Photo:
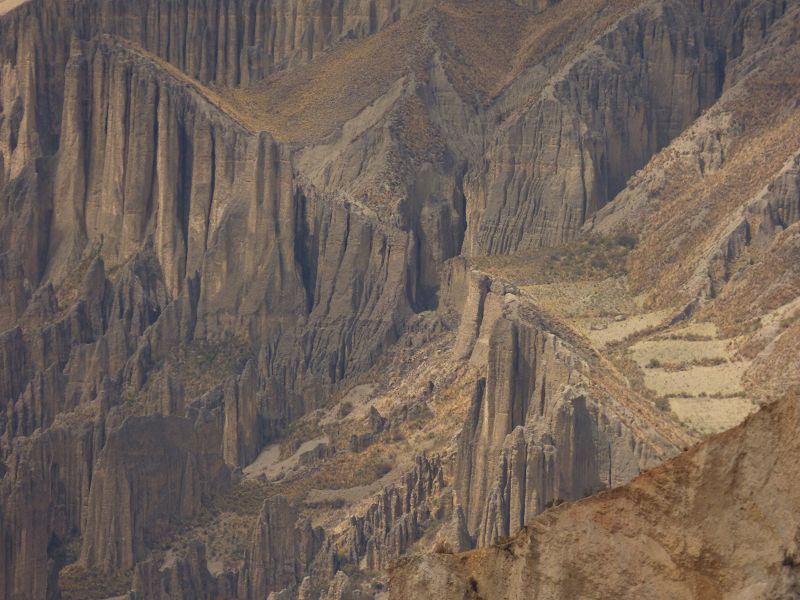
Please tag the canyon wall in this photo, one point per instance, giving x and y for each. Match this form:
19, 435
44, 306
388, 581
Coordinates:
206, 235
674, 532
182, 287
547, 423
585, 130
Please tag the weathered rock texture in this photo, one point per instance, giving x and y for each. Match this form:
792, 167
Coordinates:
215, 215
282, 550
603, 115
547, 423
44, 490
152, 473
708, 160
675, 532
398, 516
185, 579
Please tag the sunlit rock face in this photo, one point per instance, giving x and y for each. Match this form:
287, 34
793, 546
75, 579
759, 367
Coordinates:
236, 236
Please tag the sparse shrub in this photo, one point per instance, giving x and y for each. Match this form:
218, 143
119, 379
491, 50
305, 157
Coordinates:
653, 363
598, 262
382, 469
442, 547
627, 240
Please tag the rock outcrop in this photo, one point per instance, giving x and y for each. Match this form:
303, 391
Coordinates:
398, 517
692, 244
185, 578
677, 531
43, 491
601, 117
543, 427
152, 473
217, 216
283, 548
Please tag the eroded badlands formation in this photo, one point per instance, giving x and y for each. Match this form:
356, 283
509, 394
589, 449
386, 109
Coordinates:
293, 290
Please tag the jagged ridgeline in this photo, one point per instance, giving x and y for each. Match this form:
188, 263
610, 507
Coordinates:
291, 289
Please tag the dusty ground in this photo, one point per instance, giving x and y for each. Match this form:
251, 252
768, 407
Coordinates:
7, 5
688, 368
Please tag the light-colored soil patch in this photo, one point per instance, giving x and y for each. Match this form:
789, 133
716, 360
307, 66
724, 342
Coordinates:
712, 415
724, 379
675, 352
697, 374
606, 298
617, 331
359, 398
268, 462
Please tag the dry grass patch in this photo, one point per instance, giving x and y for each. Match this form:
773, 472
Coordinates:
694, 208
721, 379
79, 583
590, 259
712, 415
659, 353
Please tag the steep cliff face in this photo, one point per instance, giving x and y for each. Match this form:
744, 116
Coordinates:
186, 578
44, 489
675, 532
152, 182
78, 354
155, 187
696, 189
212, 42
152, 472
398, 517
591, 124
548, 423
281, 552
234, 43
716, 210
130, 144
216, 217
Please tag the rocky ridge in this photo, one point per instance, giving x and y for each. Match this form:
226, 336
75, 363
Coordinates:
667, 534
209, 243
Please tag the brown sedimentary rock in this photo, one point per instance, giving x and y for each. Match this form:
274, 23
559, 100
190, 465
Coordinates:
592, 125
281, 551
161, 255
669, 533
538, 430
152, 472
185, 578
43, 491
398, 516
